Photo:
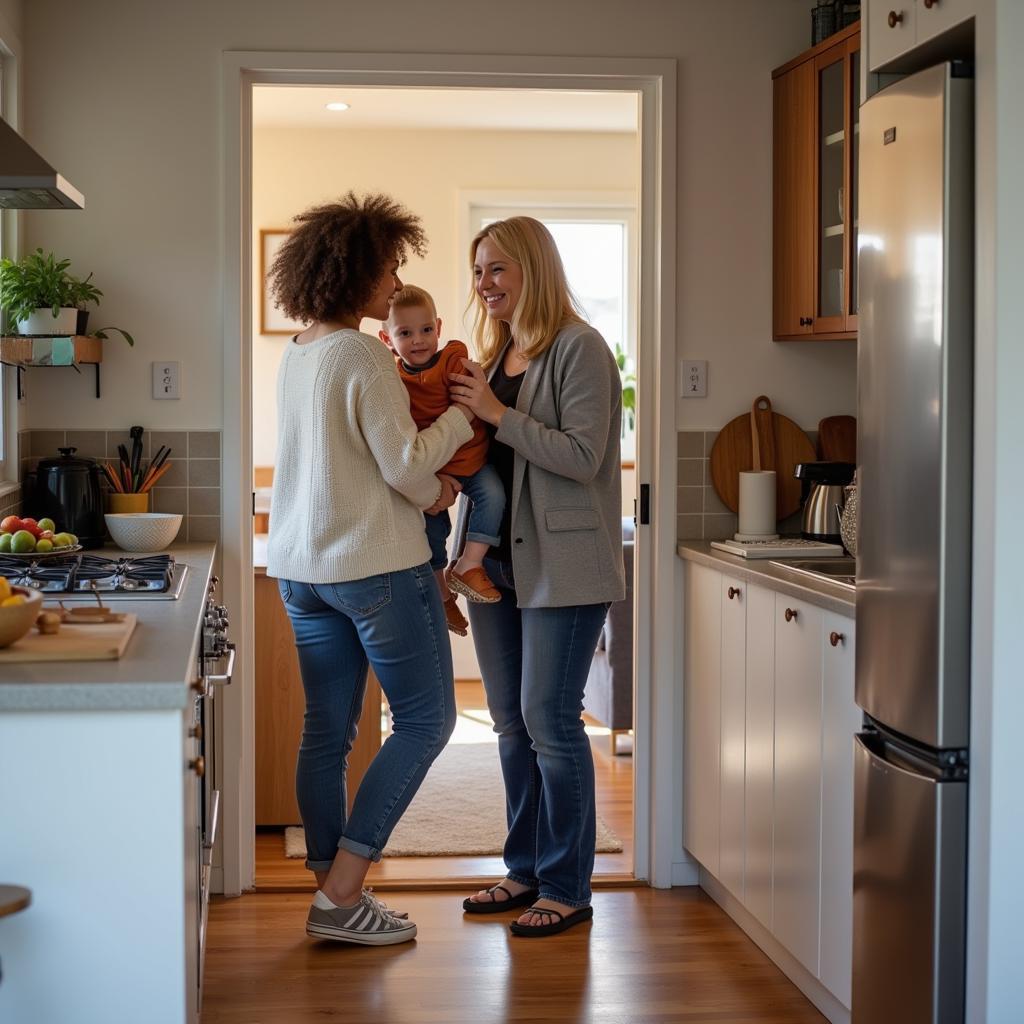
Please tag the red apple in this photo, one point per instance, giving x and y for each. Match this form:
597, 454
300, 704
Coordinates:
45, 535
11, 524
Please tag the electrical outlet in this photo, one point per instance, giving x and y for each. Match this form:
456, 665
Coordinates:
166, 380
693, 378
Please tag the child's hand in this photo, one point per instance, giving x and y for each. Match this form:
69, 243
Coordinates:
450, 488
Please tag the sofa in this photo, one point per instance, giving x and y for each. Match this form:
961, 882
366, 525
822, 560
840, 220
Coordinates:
608, 696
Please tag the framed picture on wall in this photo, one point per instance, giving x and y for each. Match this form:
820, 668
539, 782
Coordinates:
272, 320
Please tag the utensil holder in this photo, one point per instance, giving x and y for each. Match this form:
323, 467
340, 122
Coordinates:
127, 503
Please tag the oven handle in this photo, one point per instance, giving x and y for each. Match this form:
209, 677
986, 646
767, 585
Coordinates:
224, 678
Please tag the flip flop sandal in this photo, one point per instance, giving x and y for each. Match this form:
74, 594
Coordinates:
537, 931
496, 906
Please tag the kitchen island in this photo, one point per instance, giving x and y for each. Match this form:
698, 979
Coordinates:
106, 816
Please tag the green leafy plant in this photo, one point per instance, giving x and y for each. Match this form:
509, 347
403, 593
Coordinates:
40, 281
628, 378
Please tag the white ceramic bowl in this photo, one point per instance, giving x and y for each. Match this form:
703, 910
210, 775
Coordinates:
17, 619
143, 531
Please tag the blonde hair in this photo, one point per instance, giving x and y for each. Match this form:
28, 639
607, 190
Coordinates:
408, 296
546, 304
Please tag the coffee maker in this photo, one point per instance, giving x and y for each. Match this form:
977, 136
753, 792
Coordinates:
823, 498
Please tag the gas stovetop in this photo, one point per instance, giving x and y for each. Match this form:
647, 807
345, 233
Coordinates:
80, 576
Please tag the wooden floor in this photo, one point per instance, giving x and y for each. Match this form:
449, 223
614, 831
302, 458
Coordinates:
614, 782
649, 957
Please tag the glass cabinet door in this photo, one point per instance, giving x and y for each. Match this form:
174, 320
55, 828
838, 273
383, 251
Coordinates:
851, 199
831, 200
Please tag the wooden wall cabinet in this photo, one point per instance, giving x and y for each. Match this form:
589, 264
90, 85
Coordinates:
280, 706
814, 190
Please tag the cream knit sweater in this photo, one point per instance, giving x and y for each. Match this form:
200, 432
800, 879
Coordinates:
352, 472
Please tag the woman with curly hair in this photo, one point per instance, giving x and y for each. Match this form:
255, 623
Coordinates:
549, 388
348, 549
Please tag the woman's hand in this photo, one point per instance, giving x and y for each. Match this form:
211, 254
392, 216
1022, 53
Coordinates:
450, 488
471, 390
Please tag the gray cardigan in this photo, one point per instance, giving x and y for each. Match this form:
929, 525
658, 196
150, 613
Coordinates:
566, 500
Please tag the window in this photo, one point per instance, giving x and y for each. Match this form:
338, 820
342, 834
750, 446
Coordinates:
598, 246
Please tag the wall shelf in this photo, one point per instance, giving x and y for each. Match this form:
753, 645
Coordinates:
24, 350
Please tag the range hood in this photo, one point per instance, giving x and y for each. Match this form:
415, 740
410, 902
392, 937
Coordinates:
27, 181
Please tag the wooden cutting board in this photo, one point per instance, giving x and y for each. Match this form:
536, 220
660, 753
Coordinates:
733, 453
101, 642
837, 439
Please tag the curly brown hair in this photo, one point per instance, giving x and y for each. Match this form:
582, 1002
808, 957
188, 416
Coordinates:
330, 264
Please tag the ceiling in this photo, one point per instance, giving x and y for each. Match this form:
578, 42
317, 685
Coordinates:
454, 109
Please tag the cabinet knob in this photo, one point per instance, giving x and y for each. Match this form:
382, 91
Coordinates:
835, 639
199, 686
734, 592
806, 321
895, 19
196, 732
198, 765
931, 3
790, 614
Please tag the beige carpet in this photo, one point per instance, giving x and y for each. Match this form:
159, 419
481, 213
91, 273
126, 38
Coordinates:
458, 811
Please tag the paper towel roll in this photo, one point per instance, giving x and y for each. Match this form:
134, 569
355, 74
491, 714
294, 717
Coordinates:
757, 505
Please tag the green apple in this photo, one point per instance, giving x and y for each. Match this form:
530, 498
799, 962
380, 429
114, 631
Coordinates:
63, 540
47, 524
5, 541
23, 542
44, 545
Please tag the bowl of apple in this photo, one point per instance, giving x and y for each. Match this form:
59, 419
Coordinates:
27, 538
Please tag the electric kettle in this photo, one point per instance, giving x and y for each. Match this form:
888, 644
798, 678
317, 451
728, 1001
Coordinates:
67, 490
823, 498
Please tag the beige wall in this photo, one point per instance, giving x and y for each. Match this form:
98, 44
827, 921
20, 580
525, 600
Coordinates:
294, 168
11, 15
126, 97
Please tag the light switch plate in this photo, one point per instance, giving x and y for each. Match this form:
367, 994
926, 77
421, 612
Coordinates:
693, 378
167, 380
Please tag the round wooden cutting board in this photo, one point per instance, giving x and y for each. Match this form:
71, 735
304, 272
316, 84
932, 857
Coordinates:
733, 453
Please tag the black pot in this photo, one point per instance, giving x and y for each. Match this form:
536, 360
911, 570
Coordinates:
67, 490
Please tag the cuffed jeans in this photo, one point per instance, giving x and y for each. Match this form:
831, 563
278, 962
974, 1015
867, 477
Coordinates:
486, 494
534, 663
394, 622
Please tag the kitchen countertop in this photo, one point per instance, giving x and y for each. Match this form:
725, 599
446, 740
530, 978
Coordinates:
824, 594
155, 671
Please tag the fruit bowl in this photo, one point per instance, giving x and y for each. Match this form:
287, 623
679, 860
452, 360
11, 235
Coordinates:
143, 531
17, 619
36, 556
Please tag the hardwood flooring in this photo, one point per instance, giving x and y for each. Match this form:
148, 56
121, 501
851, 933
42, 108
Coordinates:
614, 781
649, 957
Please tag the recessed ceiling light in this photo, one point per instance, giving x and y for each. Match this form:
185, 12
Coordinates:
337, 106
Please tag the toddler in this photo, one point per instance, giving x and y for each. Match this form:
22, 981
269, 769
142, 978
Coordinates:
412, 331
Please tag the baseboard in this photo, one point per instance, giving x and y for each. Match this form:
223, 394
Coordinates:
820, 996
685, 873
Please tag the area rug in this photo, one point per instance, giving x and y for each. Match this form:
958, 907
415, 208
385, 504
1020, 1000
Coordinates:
459, 811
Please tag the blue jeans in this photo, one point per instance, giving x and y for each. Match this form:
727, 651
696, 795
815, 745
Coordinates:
487, 494
534, 663
395, 622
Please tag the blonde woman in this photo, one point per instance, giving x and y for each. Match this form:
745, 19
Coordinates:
549, 388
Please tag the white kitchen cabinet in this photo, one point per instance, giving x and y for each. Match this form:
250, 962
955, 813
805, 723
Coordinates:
841, 719
759, 766
897, 26
702, 710
733, 735
796, 863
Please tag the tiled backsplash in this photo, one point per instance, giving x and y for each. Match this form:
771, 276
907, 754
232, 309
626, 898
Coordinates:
191, 486
700, 512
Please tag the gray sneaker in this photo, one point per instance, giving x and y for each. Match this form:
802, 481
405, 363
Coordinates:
367, 924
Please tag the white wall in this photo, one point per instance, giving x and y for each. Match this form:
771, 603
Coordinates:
294, 168
125, 97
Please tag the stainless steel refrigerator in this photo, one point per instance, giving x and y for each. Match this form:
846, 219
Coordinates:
915, 359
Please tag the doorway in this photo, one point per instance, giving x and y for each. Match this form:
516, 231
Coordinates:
656, 431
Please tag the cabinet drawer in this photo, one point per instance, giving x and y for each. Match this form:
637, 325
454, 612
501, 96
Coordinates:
941, 15
891, 30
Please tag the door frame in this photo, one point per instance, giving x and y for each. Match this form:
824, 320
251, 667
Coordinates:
656, 844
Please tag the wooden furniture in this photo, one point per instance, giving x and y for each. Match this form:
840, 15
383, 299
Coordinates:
814, 208
280, 705
13, 898
262, 479
768, 759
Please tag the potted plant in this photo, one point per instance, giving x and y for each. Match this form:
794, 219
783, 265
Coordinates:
39, 296
628, 390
